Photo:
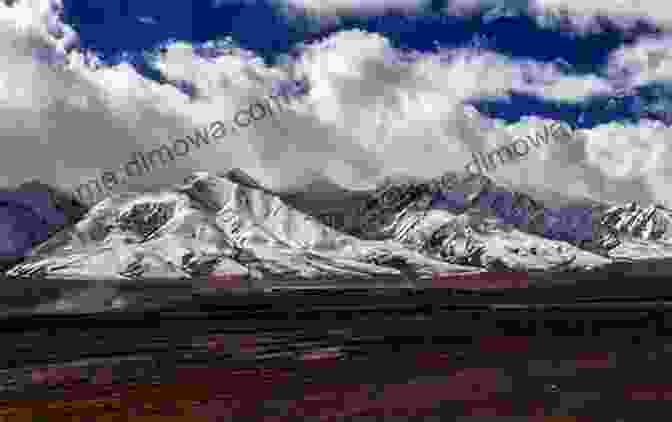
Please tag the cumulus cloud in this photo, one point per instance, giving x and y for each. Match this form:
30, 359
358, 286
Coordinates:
614, 162
577, 16
324, 7
68, 122
580, 16
625, 13
371, 112
647, 60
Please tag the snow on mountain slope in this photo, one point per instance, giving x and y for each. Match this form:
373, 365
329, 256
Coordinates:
230, 223
222, 223
474, 235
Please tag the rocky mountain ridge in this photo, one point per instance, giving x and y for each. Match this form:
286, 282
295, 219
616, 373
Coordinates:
229, 223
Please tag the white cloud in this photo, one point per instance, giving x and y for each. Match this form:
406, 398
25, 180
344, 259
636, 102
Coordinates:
357, 6
626, 151
581, 16
613, 162
622, 12
367, 116
648, 60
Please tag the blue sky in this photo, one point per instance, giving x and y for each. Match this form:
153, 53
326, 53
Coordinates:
402, 86
264, 29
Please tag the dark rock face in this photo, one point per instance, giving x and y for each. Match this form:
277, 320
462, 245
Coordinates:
19, 229
145, 218
29, 215
58, 201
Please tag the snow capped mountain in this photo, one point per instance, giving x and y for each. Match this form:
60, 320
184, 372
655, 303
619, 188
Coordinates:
472, 234
644, 232
650, 223
229, 223
225, 223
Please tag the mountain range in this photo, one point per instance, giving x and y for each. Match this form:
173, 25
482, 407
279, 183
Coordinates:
229, 223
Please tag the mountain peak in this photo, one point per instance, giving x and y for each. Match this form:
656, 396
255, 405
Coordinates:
230, 222
238, 176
